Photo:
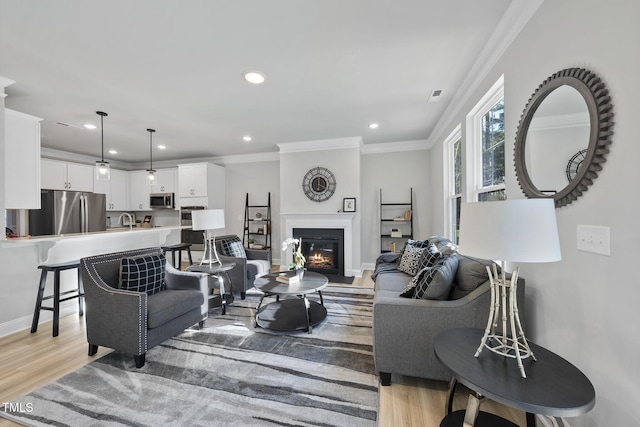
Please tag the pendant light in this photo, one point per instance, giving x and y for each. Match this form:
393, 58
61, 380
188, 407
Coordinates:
102, 168
151, 177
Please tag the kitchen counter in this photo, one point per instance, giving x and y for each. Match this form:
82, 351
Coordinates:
20, 257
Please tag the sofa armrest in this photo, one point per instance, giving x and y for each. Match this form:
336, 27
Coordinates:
115, 318
238, 274
187, 280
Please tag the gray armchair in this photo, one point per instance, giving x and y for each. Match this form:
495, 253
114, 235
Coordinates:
254, 263
132, 322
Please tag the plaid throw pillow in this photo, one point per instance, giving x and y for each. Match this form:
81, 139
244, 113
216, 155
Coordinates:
232, 247
143, 273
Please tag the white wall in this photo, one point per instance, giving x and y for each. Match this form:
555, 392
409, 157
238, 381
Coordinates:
395, 173
258, 179
584, 307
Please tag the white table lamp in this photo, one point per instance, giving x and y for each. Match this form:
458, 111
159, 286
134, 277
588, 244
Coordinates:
521, 230
207, 220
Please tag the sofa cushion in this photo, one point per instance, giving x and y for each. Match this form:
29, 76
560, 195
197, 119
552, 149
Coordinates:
472, 272
165, 306
232, 246
435, 282
262, 266
143, 273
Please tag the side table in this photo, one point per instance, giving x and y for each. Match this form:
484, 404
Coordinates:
553, 387
216, 271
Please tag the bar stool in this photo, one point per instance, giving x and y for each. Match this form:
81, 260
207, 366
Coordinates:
56, 269
178, 248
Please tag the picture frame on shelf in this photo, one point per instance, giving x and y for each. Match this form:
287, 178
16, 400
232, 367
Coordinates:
349, 204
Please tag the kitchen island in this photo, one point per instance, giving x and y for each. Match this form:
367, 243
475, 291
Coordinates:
20, 257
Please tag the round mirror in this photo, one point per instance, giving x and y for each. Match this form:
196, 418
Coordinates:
563, 136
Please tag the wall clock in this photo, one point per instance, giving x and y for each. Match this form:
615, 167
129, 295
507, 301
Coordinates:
319, 184
574, 164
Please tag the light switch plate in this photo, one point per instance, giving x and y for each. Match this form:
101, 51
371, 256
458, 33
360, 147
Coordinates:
595, 239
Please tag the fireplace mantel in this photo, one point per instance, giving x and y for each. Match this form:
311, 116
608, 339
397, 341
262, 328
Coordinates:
341, 220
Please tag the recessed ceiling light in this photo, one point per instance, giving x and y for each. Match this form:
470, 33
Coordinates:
374, 125
89, 126
246, 138
113, 152
162, 147
255, 77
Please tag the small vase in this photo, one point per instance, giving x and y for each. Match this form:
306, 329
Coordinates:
300, 273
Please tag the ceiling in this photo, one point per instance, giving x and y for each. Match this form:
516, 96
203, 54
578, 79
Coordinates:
332, 67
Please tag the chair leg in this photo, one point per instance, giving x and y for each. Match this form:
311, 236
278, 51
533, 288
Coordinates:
243, 295
201, 324
385, 378
139, 360
189, 255
56, 303
93, 349
36, 311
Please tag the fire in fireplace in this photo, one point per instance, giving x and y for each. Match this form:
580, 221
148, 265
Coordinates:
323, 248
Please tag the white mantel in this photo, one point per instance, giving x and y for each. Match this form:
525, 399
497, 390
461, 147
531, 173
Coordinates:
334, 220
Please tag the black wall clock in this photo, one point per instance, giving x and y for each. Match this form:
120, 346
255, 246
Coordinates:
319, 184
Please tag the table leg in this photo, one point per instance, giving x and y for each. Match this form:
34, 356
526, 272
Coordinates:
223, 301
531, 420
255, 320
307, 307
473, 408
450, 395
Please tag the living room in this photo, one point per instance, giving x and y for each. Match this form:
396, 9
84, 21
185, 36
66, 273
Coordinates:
570, 309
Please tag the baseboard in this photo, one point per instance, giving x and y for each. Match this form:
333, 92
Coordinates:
22, 323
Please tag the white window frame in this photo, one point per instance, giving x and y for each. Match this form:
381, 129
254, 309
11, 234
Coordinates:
474, 140
449, 181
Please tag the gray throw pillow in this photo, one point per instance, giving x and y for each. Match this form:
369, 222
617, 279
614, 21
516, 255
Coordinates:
472, 272
435, 282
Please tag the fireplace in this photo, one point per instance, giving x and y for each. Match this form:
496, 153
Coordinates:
323, 248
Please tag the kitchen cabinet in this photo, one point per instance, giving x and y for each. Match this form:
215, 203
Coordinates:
22, 160
116, 189
139, 190
166, 179
201, 184
57, 175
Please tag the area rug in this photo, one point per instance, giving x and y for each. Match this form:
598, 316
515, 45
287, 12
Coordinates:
227, 374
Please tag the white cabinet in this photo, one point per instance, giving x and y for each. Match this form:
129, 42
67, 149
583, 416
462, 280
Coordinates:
201, 184
57, 175
21, 160
139, 190
165, 181
116, 189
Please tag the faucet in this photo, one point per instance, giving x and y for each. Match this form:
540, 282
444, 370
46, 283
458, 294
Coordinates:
130, 220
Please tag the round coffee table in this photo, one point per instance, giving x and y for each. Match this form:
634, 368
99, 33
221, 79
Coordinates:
290, 314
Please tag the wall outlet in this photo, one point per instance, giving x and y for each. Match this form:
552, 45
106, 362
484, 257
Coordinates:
595, 239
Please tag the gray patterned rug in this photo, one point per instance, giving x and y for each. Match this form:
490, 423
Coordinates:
228, 374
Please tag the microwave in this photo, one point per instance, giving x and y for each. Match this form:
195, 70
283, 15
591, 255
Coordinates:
161, 201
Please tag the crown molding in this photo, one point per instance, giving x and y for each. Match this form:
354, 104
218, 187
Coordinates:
511, 24
67, 156
321, 145
4, 82
394, 147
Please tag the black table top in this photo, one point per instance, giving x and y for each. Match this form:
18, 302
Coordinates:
311, 282
553, 386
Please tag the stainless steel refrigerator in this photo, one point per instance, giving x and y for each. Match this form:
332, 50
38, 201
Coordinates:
65, 212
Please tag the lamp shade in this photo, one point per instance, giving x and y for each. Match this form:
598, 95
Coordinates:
521, 230
208, 219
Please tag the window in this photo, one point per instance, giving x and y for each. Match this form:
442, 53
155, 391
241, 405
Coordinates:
487, 146
453, 183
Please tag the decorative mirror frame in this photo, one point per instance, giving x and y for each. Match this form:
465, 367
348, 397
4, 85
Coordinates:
595, 94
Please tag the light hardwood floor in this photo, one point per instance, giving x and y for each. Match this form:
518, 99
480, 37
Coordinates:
28, 361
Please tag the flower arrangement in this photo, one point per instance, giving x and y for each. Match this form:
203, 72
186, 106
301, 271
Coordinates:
298, 258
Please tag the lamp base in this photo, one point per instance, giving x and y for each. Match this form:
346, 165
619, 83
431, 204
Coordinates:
210, 256
510, 341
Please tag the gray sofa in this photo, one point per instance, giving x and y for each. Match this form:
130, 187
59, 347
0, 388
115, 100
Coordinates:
132, 322
404, 328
